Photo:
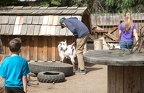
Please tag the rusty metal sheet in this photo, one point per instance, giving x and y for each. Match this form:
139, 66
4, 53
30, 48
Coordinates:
37, 29
24, 30
43, 30
12, 19
30, 29
17, 29
35, 19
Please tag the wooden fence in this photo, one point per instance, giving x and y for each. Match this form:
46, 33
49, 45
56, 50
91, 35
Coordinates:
108, 21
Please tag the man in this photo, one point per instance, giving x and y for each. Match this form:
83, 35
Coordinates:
81, 34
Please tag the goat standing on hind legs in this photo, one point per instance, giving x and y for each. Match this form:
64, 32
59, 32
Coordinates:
67, 51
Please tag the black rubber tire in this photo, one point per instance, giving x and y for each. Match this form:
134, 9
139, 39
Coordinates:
51, 77
36, 67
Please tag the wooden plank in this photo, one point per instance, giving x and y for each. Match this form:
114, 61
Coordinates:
4, 19
29, 19
17, 29
55, 20
128, 85
53, 48
3, 29
28, 48
41, 20
36, 29
48, 30
24, 30
12, 19
35, 53
142, 79
111, 81
43, 30
57, 30
45, 49
40, 48
31, 44
30, 29
49, 46
17, 20
51, 18
136, 79
119, 79
52, 28
11, 29
45, 20
7, 30
112, 30
21, 20
35, 19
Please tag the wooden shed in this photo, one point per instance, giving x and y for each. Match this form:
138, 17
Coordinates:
39, 29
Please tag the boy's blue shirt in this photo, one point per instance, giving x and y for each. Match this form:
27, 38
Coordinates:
12, 69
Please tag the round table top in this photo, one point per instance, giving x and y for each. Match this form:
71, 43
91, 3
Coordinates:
114, 57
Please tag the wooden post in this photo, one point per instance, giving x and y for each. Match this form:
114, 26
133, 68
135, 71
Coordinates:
98, 44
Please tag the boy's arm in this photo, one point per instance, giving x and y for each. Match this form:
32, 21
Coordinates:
24, 79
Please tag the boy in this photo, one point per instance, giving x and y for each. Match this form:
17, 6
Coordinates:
14, 69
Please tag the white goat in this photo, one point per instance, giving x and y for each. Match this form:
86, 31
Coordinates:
67, 51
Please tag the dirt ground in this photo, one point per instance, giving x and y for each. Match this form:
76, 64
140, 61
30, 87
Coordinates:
95, 81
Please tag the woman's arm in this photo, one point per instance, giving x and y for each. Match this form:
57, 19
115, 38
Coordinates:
119, 35
135, 34
24, 79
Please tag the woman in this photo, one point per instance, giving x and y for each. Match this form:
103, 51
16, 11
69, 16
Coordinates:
127, 32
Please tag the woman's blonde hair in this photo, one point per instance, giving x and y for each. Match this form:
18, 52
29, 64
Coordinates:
128, 21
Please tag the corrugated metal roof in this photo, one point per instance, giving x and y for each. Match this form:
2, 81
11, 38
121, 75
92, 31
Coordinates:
19, 20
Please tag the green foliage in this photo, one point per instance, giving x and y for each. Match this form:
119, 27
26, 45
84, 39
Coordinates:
95, 6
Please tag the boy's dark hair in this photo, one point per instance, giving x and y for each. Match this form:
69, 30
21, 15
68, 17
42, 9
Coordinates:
15, 45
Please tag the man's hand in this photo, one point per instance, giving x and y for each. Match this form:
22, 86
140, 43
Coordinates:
73, 44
